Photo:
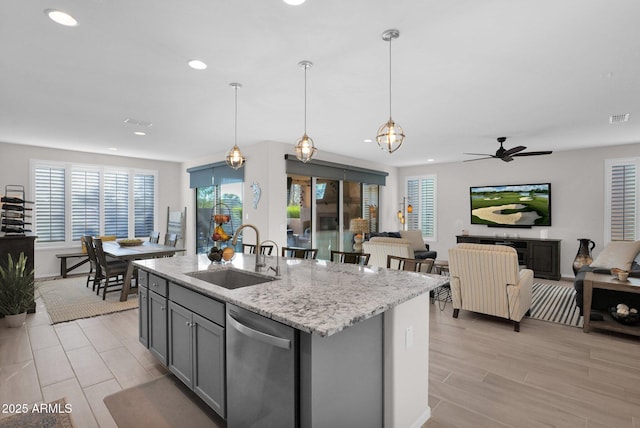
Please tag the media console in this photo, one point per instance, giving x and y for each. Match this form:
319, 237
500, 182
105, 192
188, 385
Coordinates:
540, 255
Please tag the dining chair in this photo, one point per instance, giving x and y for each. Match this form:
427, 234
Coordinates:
300, 253
350, 257
112, 274
171, 239
413, 265
264, 249
94, 268
154, 237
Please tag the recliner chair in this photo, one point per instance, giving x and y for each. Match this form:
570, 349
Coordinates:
487, 279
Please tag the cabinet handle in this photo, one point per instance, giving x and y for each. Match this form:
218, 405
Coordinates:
162, 308
154, 284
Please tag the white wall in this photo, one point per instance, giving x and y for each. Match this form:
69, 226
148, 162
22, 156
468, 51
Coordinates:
266, 165
15, 169
577, 186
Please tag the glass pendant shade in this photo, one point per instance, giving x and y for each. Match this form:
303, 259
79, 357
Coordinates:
234, 158
305, 149
390, 136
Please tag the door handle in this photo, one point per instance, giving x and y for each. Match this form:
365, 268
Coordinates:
258, 335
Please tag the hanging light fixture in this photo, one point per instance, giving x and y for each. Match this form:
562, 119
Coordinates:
235, 159
390, 135
304, 147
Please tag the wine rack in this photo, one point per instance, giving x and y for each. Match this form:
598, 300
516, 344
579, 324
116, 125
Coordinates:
16, 211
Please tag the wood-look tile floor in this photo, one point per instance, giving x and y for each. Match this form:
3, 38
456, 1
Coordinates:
482, 373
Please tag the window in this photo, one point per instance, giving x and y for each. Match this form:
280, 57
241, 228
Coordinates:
421, 195
85, 203
116, 204
50, 203
621, 199
144, 193
75, 200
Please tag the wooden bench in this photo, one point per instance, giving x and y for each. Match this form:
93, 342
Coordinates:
63, 262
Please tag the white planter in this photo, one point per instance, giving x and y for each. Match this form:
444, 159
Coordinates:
16, 320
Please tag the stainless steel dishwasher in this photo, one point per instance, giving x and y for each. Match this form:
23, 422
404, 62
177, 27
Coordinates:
262, 385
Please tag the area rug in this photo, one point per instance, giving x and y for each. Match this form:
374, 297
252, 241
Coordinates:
50, 415
69, 299
162, 403
555, 304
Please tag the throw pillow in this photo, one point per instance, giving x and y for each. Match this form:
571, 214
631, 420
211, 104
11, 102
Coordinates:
415, 237
619, 254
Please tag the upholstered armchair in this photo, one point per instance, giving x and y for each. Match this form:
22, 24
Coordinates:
487, 279
380, 247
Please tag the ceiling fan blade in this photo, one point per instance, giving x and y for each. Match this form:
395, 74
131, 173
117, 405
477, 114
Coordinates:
506, 158
476, 159
545, 152
513, 150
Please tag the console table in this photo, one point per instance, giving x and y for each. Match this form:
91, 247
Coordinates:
540, 255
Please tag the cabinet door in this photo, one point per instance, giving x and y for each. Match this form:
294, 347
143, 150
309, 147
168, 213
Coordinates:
143, 316
158, 326
543, 259
209, 363
180, 343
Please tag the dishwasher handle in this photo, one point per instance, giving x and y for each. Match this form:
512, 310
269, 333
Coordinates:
258, 335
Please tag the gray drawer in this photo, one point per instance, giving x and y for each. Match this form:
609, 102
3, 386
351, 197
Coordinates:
205, 306
158, 284
143, 278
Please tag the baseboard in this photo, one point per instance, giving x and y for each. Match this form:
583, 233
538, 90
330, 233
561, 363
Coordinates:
422, 419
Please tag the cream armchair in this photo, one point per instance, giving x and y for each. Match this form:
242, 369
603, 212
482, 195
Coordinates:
380, 247
487, 279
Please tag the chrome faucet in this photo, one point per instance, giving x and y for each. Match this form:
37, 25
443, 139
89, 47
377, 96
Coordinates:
277, 268
258, 245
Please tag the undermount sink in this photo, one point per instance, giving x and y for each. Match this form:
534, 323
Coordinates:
230, 278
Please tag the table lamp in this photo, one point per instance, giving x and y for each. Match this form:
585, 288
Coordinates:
359, 226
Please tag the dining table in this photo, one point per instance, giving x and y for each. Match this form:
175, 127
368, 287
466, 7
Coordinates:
129, 254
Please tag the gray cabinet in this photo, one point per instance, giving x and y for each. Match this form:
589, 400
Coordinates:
143, 307
196, 353
158, 326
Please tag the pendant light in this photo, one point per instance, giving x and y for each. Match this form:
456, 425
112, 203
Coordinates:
235, 159
390, 135
304, 147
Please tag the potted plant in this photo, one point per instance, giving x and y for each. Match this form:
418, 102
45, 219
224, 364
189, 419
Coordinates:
16, 290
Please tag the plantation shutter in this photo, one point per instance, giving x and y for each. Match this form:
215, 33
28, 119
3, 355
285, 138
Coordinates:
623, 202
116, 204
85, 203
49, 203
421, 195
144, 204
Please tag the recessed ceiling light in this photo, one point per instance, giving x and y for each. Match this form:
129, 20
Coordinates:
139, 133
61, 18
431, 160
294, 2
113, 148
196, 64
368, 140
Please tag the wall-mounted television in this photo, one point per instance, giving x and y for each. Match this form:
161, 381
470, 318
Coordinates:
515, 205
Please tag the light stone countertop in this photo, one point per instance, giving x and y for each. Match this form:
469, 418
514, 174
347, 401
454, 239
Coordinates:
314, 296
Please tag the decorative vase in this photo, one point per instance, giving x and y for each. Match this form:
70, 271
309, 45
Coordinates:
16, 320
584, 254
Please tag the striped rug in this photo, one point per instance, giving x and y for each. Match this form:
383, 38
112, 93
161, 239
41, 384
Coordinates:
555, 304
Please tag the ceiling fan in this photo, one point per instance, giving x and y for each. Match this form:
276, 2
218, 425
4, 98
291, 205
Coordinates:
507, 155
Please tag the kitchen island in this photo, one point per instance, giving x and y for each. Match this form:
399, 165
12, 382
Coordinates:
359, 348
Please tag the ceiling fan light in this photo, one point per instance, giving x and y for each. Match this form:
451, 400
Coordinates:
235, 159
390, 136
305, 149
